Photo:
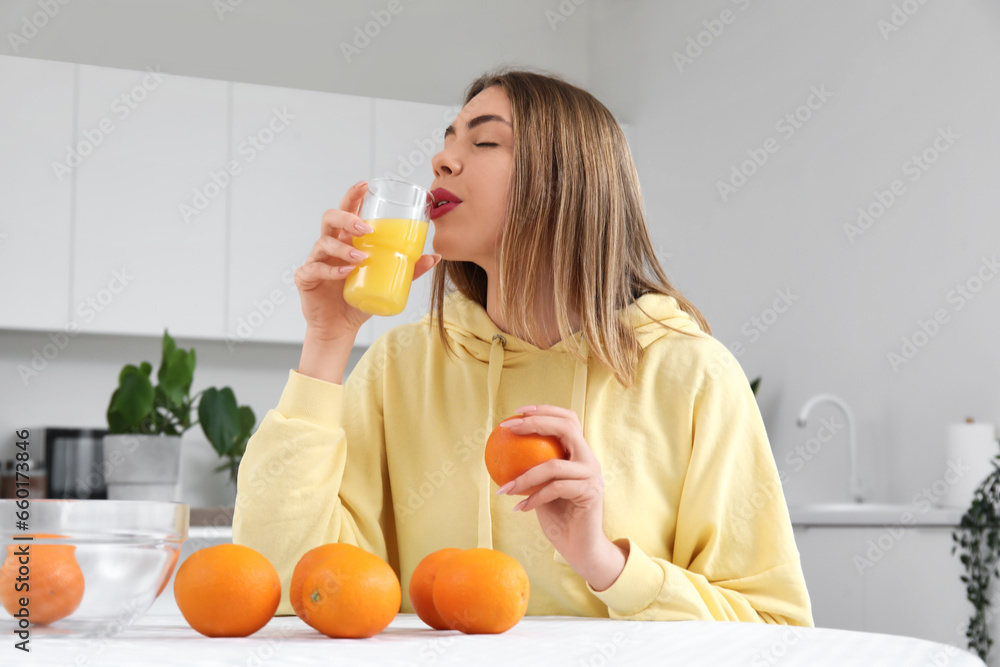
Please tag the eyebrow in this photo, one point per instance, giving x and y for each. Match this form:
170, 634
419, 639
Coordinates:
477, 121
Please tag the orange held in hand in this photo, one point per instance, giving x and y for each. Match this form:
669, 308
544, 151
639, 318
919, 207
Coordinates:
422, 587
509, 455
481, 591
228, 590
56, 581
350, 593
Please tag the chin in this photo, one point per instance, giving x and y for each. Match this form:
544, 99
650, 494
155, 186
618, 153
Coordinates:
443, 248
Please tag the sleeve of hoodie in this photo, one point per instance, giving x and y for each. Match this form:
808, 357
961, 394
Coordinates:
734, 554
315, 472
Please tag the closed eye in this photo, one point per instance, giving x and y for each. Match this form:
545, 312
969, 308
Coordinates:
486, 143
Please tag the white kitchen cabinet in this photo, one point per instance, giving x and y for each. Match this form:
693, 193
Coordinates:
892, 579
407, 136
150, 235
36, 131
321, 145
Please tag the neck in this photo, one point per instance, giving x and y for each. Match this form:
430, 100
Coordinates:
545, 314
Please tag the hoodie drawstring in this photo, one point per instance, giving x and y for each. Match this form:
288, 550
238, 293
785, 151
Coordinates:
579, 401
577, 404
493, 382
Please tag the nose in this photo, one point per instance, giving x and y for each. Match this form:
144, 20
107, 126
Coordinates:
445, 163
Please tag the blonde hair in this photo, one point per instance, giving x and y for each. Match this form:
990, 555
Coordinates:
574, 218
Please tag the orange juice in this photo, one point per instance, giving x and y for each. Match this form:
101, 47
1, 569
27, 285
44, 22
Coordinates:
380, 284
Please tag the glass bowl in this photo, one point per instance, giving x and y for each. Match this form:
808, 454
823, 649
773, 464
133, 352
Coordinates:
112, 556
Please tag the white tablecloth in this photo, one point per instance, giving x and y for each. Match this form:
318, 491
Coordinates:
553, 640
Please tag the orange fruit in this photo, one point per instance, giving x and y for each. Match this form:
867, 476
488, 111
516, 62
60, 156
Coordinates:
509, 455
228, 590
303, 567
350, 593
481, 591
422, 587
56, 581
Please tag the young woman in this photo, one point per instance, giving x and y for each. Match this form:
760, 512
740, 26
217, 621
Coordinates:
548, 301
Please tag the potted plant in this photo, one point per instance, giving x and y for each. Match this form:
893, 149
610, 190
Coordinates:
978, 536
146, 421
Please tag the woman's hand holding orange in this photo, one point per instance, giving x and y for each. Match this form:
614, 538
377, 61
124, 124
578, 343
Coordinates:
569, 504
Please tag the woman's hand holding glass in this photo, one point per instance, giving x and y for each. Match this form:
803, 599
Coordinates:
320, 280
332, 324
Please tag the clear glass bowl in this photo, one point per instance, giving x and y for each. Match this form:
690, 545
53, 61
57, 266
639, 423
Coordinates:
124, 552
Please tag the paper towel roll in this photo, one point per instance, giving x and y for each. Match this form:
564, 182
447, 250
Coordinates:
970, 449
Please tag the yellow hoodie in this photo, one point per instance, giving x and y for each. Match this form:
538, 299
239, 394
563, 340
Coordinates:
392, 461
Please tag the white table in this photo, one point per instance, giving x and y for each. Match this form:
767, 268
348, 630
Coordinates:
553, 640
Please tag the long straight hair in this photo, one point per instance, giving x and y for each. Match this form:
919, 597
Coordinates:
574, 221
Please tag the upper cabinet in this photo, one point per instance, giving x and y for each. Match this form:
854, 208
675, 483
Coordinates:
294, 154
407, 136
36, 140
140, 201
150, 232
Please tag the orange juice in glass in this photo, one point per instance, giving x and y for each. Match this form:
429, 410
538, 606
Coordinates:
399, 212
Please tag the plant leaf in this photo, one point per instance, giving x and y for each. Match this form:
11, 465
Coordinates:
132, 401
176, 372
220, 418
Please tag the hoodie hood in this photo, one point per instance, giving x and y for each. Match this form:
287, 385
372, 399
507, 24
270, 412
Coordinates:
467, 324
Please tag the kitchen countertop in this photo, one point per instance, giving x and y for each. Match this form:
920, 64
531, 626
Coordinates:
212, 516
218, 521
874, 514
539, 640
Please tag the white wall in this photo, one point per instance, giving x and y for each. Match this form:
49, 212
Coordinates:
426, 52
784, 229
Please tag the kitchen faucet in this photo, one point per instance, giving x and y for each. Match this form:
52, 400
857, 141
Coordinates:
852, 440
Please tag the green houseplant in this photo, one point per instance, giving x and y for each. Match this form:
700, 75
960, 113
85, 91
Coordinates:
139, 407
978, 536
